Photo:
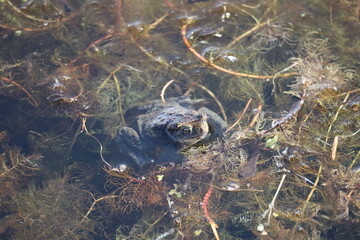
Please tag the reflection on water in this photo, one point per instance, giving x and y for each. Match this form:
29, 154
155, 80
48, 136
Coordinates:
282, 74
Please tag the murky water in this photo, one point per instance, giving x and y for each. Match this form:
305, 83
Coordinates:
282, 74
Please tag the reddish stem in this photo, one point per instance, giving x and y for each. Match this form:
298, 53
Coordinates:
35, 103
206, 212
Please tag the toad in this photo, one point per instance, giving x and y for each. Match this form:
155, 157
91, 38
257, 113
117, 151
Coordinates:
161, 132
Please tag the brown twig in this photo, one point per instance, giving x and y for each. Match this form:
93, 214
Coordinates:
205, 202
120, 22
118, 68
156, 23
206, 61
22, 89
215, 99
255, 118
313, 188
29, 16
348, 92
147, 53
245, 34
56, 23
240, 117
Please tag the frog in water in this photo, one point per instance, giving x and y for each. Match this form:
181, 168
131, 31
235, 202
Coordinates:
162, 131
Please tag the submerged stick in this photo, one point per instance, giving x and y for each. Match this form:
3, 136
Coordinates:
155, 59
334, 147
22, 89
16, 9
240, 117
256, 117
164, 89
53, 23
272, 204
312, 190
245, 34
206, 61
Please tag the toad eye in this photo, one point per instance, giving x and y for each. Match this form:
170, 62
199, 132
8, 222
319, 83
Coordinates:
186, 130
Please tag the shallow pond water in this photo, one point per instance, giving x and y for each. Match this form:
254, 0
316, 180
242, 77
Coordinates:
283, 75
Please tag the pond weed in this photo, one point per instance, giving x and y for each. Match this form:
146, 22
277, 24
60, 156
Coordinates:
66, 63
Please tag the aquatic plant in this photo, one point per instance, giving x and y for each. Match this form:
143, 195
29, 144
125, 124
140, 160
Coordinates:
284, 75
52, 212
15, 166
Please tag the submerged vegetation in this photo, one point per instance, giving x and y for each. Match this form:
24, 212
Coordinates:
283, 74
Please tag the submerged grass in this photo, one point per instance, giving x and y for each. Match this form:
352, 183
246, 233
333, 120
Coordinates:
67, 63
